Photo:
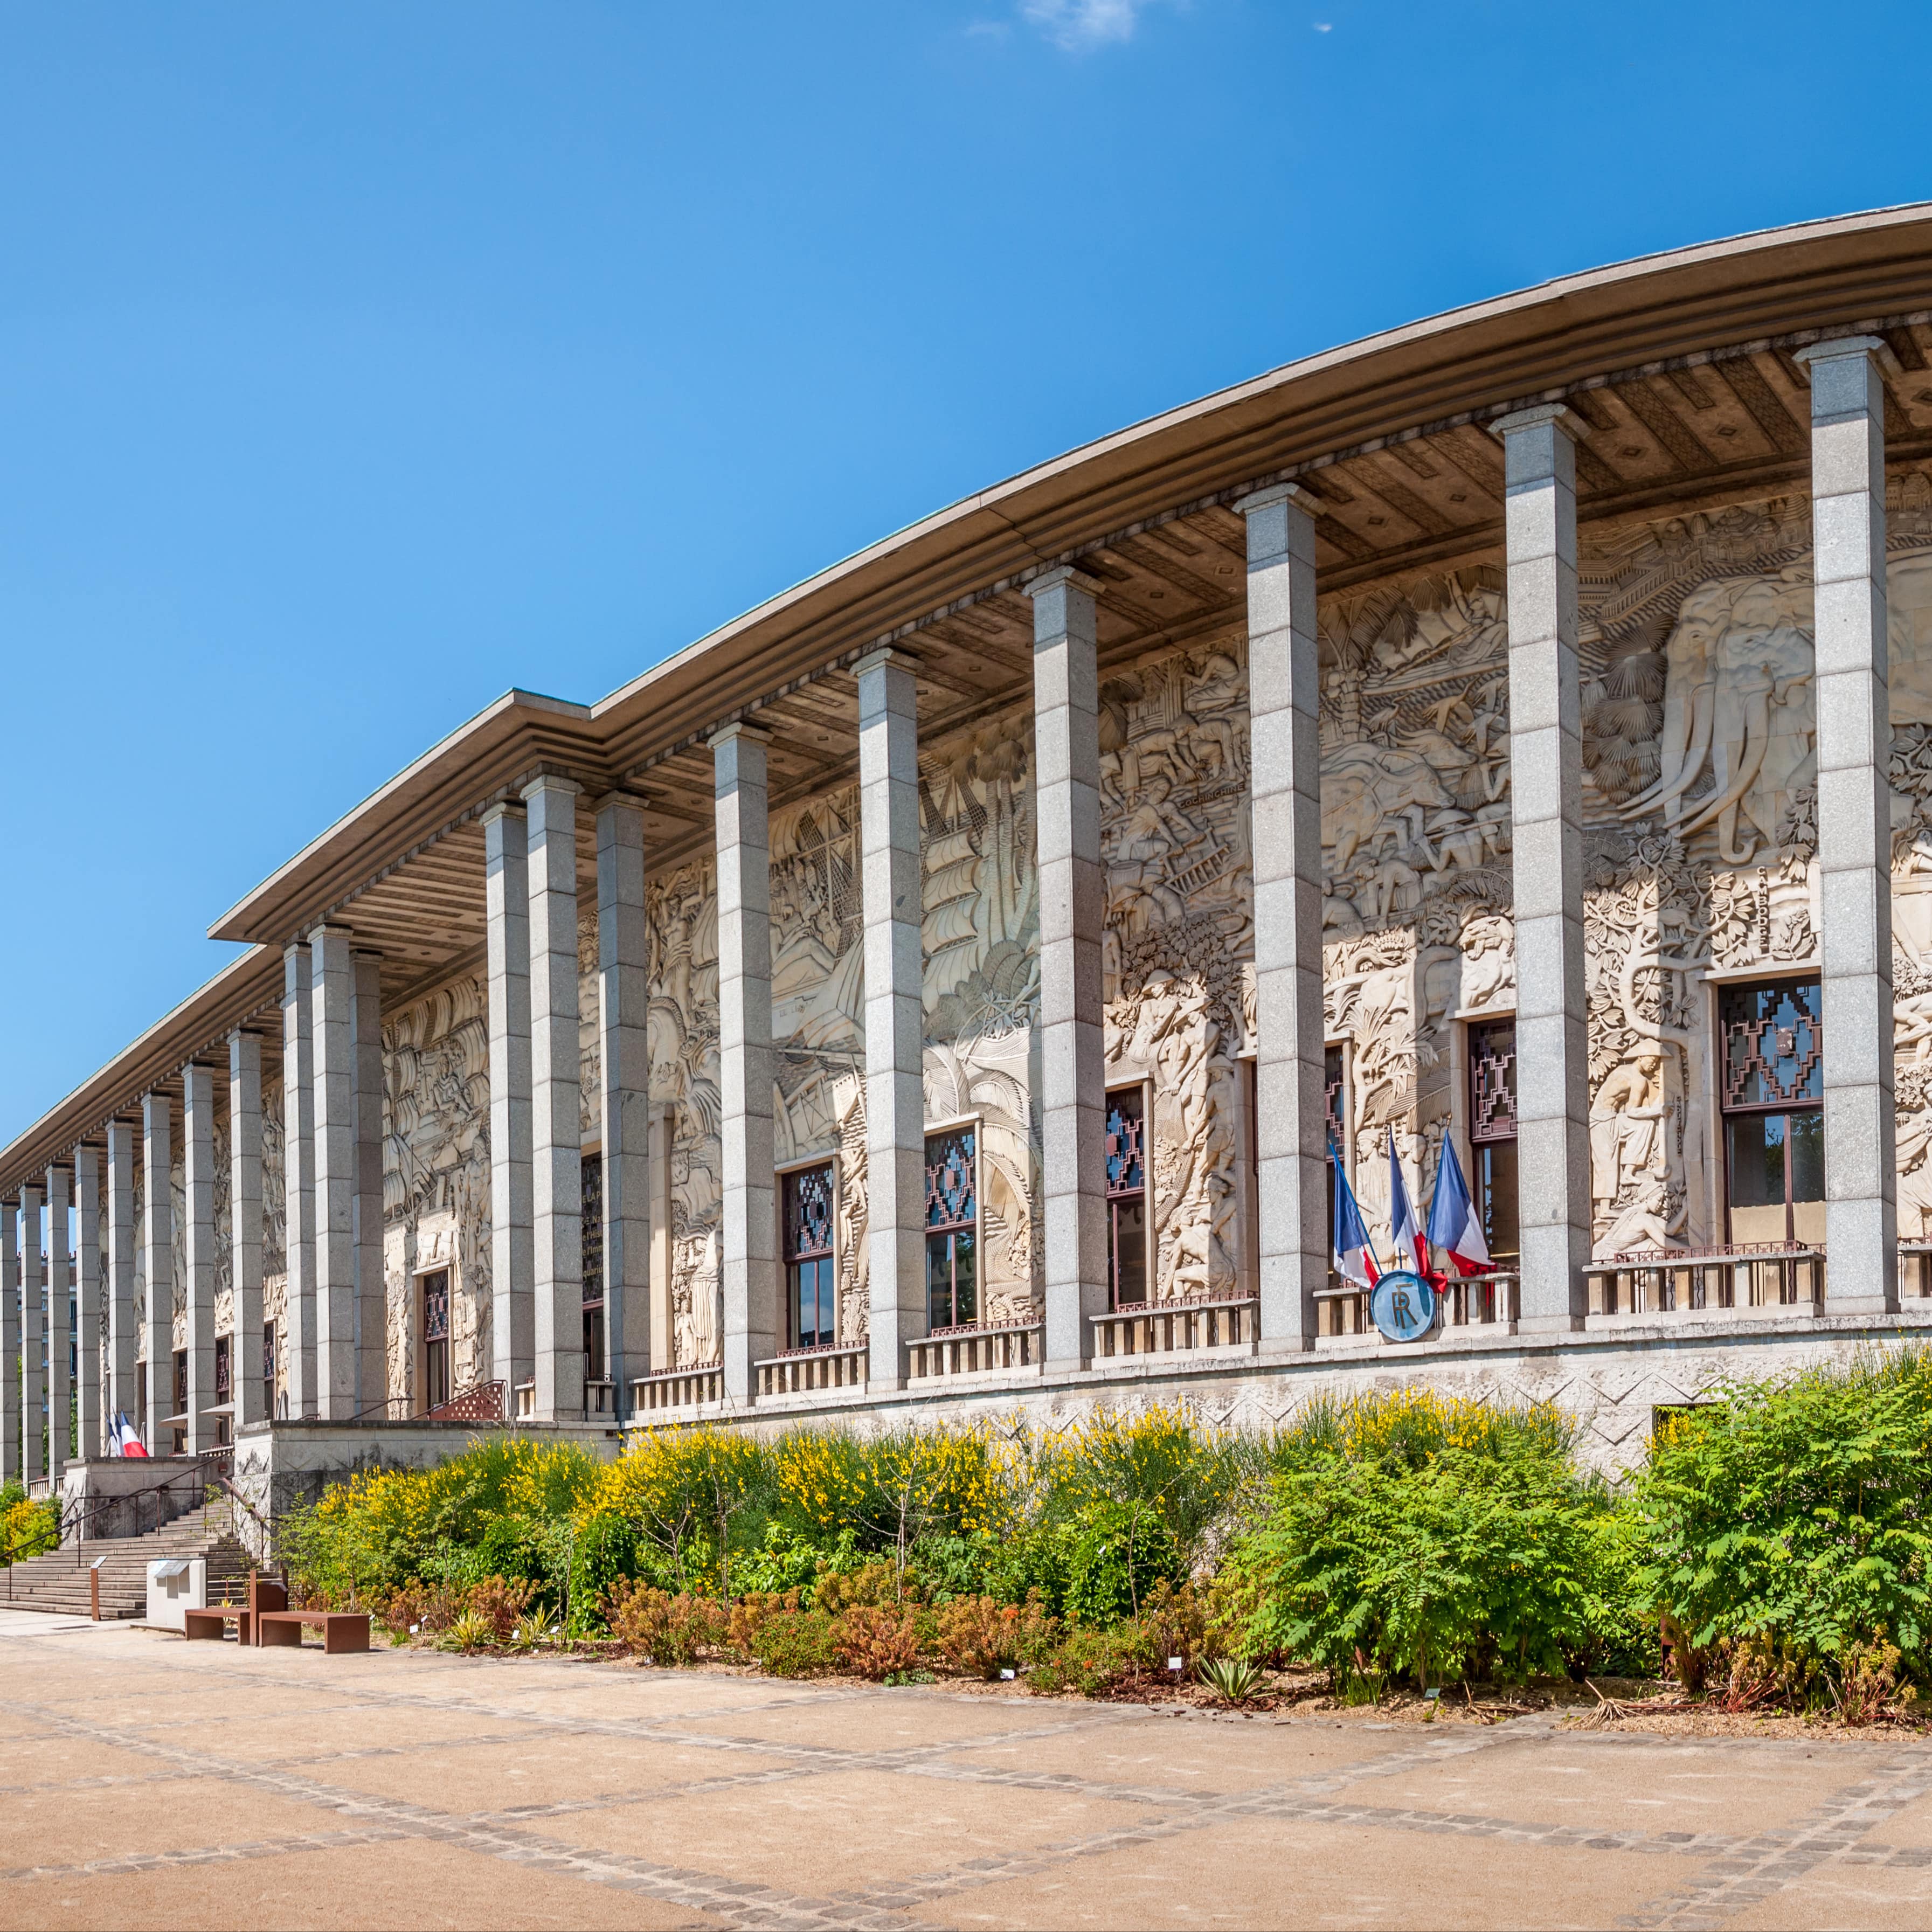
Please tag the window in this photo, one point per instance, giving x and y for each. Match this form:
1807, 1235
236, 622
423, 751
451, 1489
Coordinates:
181, 1401
269, 1359
592, 1250
952, 1230
811, 1293
223, 1388
1127, 1197
1334, 1107
1492, 1135
1772, 1099
436, 1338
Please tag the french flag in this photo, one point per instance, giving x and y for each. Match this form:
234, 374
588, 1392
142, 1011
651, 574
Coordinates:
1405, 1227
1354, 1259
122, 1440
1454, 1226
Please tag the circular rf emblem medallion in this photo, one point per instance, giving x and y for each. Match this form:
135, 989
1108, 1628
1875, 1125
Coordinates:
1403, 1305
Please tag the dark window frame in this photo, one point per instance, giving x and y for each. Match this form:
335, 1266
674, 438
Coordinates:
1490, 1092
433, 1293
952, 1224
1785, 1104
1128, 1192
808, 1247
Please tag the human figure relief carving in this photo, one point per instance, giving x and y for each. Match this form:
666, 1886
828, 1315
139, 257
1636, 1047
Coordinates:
436, 1167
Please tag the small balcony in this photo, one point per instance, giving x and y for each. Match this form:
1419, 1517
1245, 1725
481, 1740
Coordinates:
1183, 1326
805, 1371
1475, 1302
675, 1394
973, 1349
1766, 1278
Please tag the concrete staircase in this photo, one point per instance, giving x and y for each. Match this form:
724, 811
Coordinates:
58, 1582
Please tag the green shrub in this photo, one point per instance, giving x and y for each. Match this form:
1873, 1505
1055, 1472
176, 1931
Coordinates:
604, 1552
1420, 1538
1116, 1553
1089, 1661
1800, 1516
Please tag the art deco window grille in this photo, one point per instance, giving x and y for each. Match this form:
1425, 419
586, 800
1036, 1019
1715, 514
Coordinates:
952, 1229
269, 1362
1771, 1095
591, 1193
1127, 1197
1334, 1112
1493, 1119
812, 1290
436, 1338
223, 1388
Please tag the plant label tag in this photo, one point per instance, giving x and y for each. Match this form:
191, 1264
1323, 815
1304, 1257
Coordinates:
1006, 1676
1174, 1663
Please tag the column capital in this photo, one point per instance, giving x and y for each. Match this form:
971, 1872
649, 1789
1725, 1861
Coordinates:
1835, 347
738, 728
619, 800
331, 929
885, 657
1299, 494
551, 782
1062, 573
1556, 415
502, 808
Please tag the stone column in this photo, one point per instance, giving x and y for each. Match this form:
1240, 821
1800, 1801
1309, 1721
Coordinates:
87, 1299
1546, 795
556, 1101
1284, 782
895, 1009
157, 1259
60, 1321
750, 1229
1073, 907
254, 1394
330, 997
624, 1102
11, 1464
123, 1341
512, 1262
198, 1251
1854, 820
298, 1176
33, 1338
372, 1299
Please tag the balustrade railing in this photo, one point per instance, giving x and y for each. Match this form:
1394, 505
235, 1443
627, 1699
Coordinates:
1473, 1301
1176, 1327
676, 1388
1914, 1270
1764, 1275
800, 1371
973, 1350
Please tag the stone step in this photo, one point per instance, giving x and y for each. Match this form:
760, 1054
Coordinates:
60, 1582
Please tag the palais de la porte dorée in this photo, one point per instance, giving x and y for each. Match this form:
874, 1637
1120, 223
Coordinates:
948, 989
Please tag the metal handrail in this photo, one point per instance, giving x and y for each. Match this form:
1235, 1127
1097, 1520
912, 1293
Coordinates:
84, 1512
436, 1408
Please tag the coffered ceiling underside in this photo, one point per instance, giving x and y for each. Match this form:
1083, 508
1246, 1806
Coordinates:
409, 880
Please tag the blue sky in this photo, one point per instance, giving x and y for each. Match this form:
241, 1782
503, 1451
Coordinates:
358, 362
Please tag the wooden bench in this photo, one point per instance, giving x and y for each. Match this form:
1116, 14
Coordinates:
342, 1630
198, 1625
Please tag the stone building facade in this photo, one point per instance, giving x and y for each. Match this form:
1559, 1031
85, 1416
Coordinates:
953, 983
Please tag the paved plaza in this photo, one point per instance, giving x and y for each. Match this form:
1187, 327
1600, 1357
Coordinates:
144, 1782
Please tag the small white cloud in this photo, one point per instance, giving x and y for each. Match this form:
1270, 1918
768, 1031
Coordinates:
1079, 25
1324, 26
